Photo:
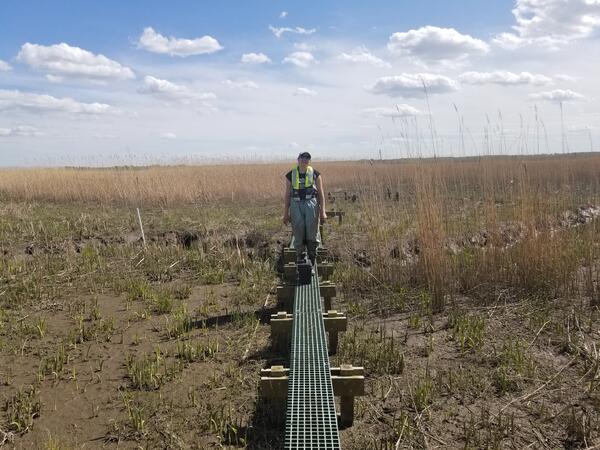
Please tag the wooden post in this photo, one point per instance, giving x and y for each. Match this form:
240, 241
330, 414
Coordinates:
285, 296
348, 382
334, 322
141, 226
327, 292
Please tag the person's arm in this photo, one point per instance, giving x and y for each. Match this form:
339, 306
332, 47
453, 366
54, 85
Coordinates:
321, 198
286, 202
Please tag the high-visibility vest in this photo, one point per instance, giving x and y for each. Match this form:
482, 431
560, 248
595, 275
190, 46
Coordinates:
309, 182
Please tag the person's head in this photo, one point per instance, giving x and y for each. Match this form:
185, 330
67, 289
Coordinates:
303, 160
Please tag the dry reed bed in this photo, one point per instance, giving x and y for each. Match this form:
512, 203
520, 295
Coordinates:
177, 185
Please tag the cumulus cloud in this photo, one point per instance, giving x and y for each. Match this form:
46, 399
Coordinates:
65, 60
296, 30
255, 58
504, 78
283, 14
434, 43
17, 100
155, 42
303, 46
300, 59
565, 77
168, 135
557, 95
551, 23
20, 131
305, 91
165, 90
413, 85
4, 66
362, 55
401, 110
247, 84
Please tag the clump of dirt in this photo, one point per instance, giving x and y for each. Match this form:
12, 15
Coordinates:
185, 238
258, 244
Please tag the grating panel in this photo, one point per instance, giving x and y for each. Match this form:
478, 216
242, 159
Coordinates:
311, 420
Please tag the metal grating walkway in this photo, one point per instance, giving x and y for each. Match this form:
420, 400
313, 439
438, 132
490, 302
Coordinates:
311, 420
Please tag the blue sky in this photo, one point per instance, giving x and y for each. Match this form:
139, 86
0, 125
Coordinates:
146, 81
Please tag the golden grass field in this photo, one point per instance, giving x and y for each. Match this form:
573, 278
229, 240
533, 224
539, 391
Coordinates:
471, 285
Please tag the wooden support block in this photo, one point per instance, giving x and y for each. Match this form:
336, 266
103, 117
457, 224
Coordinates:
289, 255
327, 292
346, 411
334, 323
325, 271
322, 252
289, 272
274, 382
339, 214
285, 296
348, 382
281, 330
273, 387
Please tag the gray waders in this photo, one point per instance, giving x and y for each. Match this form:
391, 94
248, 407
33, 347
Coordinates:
304, 216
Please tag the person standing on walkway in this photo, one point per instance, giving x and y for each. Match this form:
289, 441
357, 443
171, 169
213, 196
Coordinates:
304, 206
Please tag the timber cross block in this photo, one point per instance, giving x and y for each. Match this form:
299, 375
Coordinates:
289, 271
339, 214
348, 382
281, 328
285, 294
289, 255
328, 291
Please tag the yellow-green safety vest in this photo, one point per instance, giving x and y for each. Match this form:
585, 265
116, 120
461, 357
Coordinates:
309, 181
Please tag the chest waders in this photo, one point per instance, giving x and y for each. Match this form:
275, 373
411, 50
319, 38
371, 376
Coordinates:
304, 214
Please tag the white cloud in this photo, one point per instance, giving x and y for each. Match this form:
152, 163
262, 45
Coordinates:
565, 77
255, 58
511, 41
304, 91
434, 43
296, 30
240, 84
4, 66
17, 100
551, 23
413, 85
157, 43
283, 14
304, 46
168, 91
54, 78
364, 56
20, 131
557, 95
300, 59
168, 136
401, 110
504, 78
66, 60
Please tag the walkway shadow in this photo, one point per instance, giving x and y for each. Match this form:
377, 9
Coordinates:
267, 428
263, 315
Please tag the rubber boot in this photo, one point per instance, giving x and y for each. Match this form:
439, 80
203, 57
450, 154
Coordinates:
311, 247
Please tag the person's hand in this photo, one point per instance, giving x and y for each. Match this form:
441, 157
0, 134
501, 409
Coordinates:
286, 219
323, 217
